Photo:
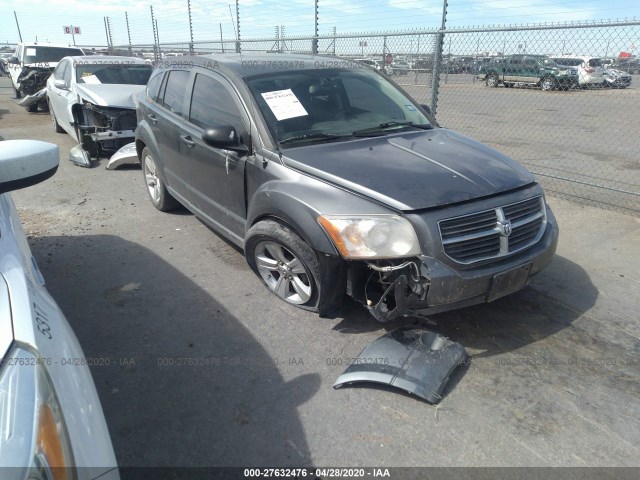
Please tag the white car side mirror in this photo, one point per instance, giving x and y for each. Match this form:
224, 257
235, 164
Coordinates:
26, 162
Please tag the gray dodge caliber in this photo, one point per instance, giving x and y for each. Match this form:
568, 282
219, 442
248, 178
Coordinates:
336, 182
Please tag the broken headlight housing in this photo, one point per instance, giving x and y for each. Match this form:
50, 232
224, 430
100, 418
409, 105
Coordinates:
371, 236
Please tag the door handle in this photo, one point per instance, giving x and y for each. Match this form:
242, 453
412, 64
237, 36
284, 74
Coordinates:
153, 118
186, 139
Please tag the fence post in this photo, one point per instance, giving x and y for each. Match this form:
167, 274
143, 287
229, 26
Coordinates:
126, 16
155, 37
438, 60
238, 27
314, 43
190, 28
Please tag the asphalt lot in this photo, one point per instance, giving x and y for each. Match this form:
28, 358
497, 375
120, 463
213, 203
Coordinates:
554, 376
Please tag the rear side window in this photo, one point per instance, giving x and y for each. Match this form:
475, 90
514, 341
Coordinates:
153, 87
175, 89
212, 105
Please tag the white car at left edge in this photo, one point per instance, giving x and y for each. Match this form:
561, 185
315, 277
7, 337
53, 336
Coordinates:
51, 422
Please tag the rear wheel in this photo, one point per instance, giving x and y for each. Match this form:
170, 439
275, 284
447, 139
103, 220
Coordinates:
158, 194
285, 263
32, 108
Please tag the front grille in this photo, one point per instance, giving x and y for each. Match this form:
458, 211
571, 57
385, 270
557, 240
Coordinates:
493, 233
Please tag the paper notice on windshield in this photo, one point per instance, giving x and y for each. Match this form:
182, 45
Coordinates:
284, 104
31, 52
92, 79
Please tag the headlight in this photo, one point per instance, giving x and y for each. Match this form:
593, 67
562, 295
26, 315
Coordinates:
33, 435
375, 236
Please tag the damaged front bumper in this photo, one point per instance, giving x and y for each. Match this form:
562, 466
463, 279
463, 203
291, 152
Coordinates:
104, 131
33, 79
127, 155
425, 285
36, 98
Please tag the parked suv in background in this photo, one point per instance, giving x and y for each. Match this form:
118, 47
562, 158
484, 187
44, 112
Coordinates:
334, 181
30, 67
591, 71
531, 70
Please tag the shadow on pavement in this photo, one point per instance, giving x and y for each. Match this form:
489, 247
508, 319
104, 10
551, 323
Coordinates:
557, 296
212, 395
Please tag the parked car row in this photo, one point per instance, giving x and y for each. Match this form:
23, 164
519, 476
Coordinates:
549, 73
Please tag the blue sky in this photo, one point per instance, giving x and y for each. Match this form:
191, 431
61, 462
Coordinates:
45, 20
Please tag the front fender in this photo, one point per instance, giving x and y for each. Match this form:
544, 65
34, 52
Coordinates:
279, 200
298, 199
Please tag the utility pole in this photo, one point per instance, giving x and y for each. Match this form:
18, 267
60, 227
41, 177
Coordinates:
17, 25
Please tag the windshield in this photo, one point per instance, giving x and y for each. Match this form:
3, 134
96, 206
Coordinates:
131, 74
329, 105
42, 54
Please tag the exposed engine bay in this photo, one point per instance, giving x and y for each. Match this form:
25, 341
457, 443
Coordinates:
33, 79
388, 288
103, 130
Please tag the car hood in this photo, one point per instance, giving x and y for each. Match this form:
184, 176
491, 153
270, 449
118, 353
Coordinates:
412, 170
109, 95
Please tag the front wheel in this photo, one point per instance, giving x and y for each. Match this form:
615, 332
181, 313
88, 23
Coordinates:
548, 83
158, 194
285, 263
492, 80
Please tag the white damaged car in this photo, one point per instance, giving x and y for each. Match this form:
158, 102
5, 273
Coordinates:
92, 99
51, 422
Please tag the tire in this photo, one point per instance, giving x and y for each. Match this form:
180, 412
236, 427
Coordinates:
158, 194
548, 83
54, 121
285, 263
508, 85
32, 108
492, 80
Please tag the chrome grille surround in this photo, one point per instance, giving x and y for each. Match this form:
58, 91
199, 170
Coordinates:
493, 233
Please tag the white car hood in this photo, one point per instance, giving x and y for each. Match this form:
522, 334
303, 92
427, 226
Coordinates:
109, 95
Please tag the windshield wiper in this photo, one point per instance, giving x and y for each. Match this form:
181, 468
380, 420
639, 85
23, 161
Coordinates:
382, 128
312, 136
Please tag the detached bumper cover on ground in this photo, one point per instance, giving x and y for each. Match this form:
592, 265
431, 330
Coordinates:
409, 358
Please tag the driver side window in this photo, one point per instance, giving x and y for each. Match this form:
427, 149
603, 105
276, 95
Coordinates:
212, 105
60, 70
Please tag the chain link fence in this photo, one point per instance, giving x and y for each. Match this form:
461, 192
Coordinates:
580, 137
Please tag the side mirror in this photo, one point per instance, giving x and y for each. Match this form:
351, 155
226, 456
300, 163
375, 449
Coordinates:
26, 162
224, 137
13, 60
427, 108
61, 84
